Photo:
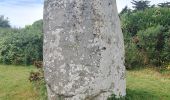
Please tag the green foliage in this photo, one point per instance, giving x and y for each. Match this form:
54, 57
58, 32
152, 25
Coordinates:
141, 20
21, 46
153, 42
147, 36
133, 57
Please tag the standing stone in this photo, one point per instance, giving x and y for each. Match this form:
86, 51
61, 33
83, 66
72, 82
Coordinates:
83, 50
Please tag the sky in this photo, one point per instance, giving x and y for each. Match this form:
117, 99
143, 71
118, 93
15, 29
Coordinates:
25, 12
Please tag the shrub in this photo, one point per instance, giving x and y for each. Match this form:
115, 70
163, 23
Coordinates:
151, 27
133, 57
21, 46
37, 79
153, 43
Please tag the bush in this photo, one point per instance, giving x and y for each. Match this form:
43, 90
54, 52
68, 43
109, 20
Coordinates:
147, 37
133, 22
133, 57
21, 46
154, 43
37, 79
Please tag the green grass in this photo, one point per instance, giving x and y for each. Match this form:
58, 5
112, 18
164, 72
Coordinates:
148, 84
14, 83
143, 84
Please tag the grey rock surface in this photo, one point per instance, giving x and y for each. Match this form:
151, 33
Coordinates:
83, 50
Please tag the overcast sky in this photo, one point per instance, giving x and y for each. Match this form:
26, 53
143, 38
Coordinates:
25, 12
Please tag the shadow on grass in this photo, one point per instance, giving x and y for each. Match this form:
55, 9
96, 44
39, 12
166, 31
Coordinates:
140, 95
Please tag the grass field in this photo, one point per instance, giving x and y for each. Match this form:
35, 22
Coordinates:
144, 84
148, 84
14, 83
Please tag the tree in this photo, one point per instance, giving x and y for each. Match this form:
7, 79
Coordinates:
125, 10
166, 4
4, 23
140, 5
